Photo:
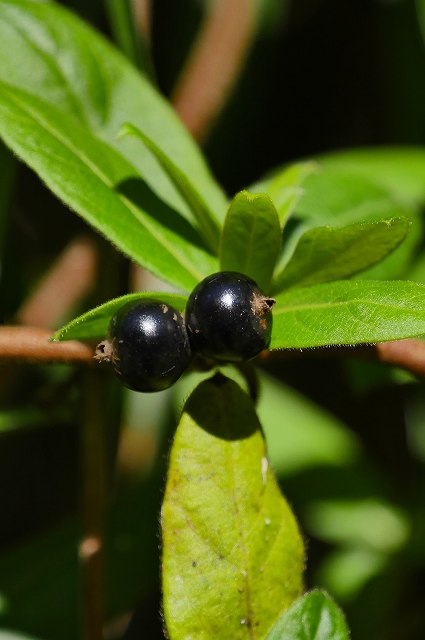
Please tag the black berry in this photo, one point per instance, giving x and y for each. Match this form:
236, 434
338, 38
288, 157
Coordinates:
147, 345
228, 317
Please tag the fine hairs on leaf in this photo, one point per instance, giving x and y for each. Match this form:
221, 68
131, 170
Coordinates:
107, 144
203, 216
242, 541
251, 237
101, 90
334, 253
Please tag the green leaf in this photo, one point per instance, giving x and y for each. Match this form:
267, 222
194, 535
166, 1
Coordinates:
399, 170
299, 433
14, 635
314, 617
347, 570
130, 39
340, 195
68, 64
285, 187
202, 214
332, 253
93, 324
348, 312
370, 522
103, 188
232, 552
251, 237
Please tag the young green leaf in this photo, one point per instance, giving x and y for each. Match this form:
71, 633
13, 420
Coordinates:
93, 324
285, 187
399, 170
348, 312
103, 188
59, 58
339, 194
232, 552
332, 253
343, 196
202, 213
251, 237
315, 616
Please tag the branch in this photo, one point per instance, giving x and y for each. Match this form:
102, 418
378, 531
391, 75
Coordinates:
407, 354
214, 63
32, 344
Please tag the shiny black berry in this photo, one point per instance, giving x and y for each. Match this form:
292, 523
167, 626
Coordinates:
147, 345
228, 317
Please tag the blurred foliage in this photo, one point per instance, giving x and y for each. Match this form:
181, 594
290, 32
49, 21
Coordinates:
347, 442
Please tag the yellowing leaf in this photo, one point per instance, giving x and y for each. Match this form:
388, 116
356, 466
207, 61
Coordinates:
232, 553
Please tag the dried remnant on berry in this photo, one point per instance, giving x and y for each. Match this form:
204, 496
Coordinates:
228, 317
147, 345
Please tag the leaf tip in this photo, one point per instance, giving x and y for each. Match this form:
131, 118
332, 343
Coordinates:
127, 129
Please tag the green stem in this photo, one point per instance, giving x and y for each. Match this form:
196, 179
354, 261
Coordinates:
130, 40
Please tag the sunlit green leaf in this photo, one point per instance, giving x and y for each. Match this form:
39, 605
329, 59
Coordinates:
285, 187
64, 61
94, 323
251, 238
400, 170
333, 253
348, 312
340, 195
232, 553
314, 617
103, 188
201, 212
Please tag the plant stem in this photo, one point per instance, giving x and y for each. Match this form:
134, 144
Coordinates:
91, 552
214, 63
32, 344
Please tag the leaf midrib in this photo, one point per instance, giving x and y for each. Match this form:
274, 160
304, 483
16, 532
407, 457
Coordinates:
321, 305
244, 553
50, 60
322, 266
103, 178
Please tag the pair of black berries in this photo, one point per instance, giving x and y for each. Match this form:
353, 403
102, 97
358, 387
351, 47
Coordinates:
228, 318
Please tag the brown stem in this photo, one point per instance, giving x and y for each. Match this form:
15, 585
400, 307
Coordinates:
407, 354
143, 16
216, 58
32, 344
91, 553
